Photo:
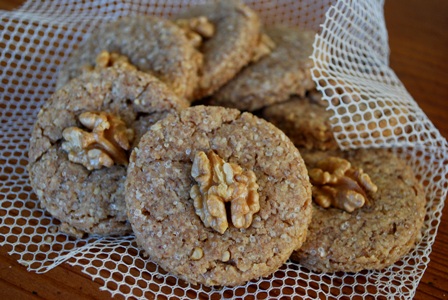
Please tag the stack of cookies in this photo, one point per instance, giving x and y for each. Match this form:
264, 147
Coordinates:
215, 195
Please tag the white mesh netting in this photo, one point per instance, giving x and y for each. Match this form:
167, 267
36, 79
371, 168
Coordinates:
372, 109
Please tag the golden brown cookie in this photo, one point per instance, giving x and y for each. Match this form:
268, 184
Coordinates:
276, 76
217, 197
373, 236
305, 121
154, 45
237, 34
81, 141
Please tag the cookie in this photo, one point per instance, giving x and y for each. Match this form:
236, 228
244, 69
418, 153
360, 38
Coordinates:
305, 121
237, 34
275, 77
188, 225
81, 140
375, 235
154, 45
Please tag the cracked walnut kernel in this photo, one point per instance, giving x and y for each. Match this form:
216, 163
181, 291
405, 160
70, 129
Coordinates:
107, 59
265, 46
196, 29
336, 183
219, 182
104, 146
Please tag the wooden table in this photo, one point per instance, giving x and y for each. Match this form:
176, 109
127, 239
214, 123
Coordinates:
418, 39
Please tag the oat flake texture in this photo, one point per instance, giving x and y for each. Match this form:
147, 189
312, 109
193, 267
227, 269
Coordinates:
349, 61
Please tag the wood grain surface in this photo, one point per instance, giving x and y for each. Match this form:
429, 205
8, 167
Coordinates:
418, 37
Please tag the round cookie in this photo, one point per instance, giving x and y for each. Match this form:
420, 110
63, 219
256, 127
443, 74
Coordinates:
305, 121
237, 34
154, 45
275, 77
375, 235
162, 212
92, 201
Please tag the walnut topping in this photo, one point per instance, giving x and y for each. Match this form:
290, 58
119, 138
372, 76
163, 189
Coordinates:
219, 182
197, 29
265, 46
104, 146
336, 183
106, 60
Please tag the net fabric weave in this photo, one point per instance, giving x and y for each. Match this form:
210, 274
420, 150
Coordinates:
371, 109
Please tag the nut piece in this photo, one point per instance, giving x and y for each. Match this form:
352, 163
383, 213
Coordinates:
336, 183
265, 46
219, 182
225, 256
197, 254
104, 146
197, 29
109, 60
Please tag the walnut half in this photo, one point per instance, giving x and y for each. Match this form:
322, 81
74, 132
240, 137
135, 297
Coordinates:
219, 182
104, 146
336, 183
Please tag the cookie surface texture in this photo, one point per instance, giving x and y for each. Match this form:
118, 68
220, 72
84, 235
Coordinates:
305, 121
163, 215
237, 32
375, 235
154, 45
92, 201
275, 77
